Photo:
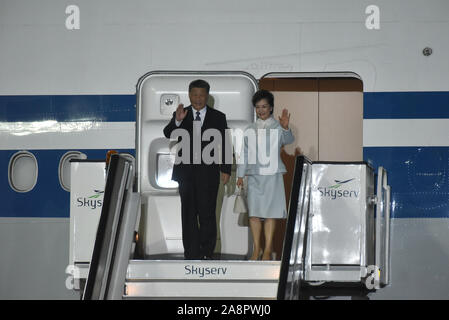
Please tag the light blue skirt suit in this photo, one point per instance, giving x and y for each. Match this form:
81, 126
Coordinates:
265, 194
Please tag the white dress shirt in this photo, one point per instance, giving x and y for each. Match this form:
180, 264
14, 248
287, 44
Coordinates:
202, 116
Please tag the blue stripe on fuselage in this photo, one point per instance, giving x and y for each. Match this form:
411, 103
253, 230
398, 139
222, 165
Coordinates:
47, 199
418, 177
406, 105
377, 105
68, 108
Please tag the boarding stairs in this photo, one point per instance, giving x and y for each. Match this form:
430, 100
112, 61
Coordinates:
114, 273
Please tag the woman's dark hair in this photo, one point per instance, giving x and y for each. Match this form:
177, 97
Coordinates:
264, 94
199, 84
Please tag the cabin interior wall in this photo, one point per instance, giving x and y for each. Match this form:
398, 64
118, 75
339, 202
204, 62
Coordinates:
340, 123
326, 117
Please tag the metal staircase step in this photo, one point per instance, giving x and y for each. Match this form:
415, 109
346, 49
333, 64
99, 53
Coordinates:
202, 279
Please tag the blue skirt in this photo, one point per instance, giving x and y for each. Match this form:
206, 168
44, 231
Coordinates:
266, 196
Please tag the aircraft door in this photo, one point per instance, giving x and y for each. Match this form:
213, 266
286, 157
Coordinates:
158, 95
326, 119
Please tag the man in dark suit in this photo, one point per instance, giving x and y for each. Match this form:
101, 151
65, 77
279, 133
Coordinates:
199, 181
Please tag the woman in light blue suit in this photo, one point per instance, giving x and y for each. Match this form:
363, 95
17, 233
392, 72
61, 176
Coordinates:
260, 160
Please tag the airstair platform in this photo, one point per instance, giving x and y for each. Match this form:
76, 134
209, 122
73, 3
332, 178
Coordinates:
196, 279
190, 279
319, 252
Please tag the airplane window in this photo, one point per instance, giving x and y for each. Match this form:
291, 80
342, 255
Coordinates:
64, 167
165, 162
22, 171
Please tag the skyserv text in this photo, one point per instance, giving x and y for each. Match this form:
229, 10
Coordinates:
204, 271
90, 203
333, 192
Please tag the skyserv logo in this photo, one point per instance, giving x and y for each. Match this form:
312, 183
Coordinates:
336, 191
200, 271
92, 201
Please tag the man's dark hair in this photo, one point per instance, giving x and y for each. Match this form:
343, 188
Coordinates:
199, 84
264, 94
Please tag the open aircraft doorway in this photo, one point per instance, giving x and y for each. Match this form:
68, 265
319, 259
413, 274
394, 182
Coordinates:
140, 195
326, 119
158, 96
327, 122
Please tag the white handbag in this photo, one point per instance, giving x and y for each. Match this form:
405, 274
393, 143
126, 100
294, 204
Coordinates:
240, 205
234, 228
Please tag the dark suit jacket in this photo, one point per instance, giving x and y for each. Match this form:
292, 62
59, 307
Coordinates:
210, 173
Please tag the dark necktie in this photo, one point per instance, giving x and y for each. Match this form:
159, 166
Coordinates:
197, 116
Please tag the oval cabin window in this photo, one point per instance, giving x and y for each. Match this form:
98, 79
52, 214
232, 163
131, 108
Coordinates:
22, 171
64, 167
